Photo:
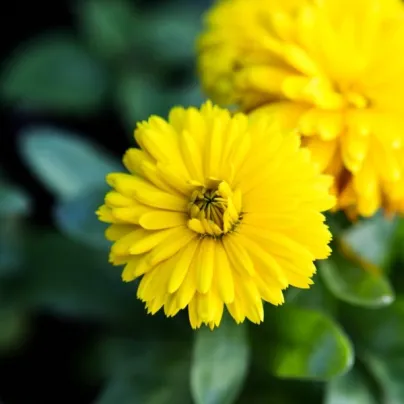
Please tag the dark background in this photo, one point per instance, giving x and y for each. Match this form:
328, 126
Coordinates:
47, 359
41, 372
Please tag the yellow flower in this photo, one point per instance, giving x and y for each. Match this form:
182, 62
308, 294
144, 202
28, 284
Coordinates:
217, 210
333, 70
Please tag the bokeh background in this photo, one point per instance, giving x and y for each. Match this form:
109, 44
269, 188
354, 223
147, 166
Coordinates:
75, 78
85, 71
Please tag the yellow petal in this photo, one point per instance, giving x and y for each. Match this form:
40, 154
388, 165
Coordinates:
237, 255
182, 266
187, 290
115, 199
168, 248
117, 231
193, 314
205, 264
104, 214
128, 273
151, 239
161, 219
125, 243
354, 150
322, 152
223, 275
264, 260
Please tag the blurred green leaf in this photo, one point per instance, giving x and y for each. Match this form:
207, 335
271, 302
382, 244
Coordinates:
262, 388
77, 219
397, 257
137, 96
120, 391
14, 326
305, 344
69, 278
140, 353
114, 356
170, 32
11, 244
53, 73
13, 201
108, 26
388, 372
156, 375
220, 363
143, 391
380, 331
316, 298
188, 96
350, 388
354, 284
67, 164
370, 240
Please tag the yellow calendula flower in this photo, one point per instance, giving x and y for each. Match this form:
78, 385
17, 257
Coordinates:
216, 210
332, 69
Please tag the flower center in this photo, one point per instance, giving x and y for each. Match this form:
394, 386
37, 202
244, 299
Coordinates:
214, 210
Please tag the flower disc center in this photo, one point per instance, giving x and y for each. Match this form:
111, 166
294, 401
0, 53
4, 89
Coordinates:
214, 210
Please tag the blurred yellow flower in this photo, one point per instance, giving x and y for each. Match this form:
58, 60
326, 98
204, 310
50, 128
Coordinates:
217, 210
332, 69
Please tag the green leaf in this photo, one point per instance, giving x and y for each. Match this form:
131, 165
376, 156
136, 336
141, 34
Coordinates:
171, 33
143, 390
220, 363
350, 388
316, 298
117, 356
263, 388
388, 372
380, 331
67, 164
396, 259
112, 356
11, 245
354, 284
137, 96
120, 391
13, 201
77, 219
370, 240
14, 326
305, 344
155, 374
108, 26
53, 73
69, 278
189, 96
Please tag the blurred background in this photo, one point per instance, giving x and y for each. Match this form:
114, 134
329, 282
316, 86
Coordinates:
75, 78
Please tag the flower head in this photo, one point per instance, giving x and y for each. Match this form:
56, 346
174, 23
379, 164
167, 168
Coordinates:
332, 69
216, 210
